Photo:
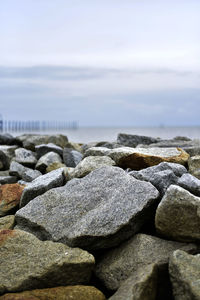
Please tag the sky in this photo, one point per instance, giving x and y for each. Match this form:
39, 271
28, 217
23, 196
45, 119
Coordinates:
101, 63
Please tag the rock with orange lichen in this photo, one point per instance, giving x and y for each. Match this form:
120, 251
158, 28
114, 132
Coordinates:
29, 263
79, 292
10, 195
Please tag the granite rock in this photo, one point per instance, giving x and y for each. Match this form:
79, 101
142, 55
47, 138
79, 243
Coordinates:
131, 140
22, 172
10, 195
7, 222
98, 211
45, 148
190, 183
46, 160
71, 157
194, 166
25, 157
6, 155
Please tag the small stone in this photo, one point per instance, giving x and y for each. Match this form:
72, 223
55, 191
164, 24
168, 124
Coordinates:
131, 140
10, 195
190, 183
8, 179
46, 160
71, 157
7, 222
25, 157
45, 148
22, 172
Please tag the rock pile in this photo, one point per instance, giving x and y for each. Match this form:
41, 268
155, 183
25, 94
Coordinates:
118, 221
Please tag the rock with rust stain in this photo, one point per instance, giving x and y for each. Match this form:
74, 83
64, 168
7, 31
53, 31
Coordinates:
10, 195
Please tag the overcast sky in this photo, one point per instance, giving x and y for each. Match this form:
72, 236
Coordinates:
102, 63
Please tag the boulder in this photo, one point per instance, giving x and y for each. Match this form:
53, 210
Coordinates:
190, 183
46, 160
184, 272
71, 157
22, 172
8, 179
29, 263
91, 163
116, 265
10, 195
45, 148
142, 285
7, 222
80, 292
25, 157
42, 184
177, 215
194, 166
98, 211
131, 140
6, 155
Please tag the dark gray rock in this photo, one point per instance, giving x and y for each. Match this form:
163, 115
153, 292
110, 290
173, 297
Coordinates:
190, 183
42, 184
45, 148
71, 157
46, 160
131, 140
184, 272
98, 211
8, 179
116, 265
177, 215
6, 155
7, 139
25, 157
22, 172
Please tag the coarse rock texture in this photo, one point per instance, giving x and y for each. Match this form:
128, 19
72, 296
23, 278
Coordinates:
25, 157
142, 285
177, 215
184, 272
7, 222
46, 160
98, 211
142, 250
45, 148
161, 176
8, 179
10, 195
190, 183
194, 166
77, 292
6, 155
91, 163
29, 263
71, 157
55, 166
7, 139
42, 184
131, 140
22, 172
31, 140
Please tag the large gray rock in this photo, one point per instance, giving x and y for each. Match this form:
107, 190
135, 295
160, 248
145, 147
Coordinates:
142, 285
46, 160
28, 263
177, 215
98, 211
42, 184
190, 183
6, 155
25, 157
91, 163
184, 272
22, 172
194, 166
116, 265
131, 140
71, 157
45, 148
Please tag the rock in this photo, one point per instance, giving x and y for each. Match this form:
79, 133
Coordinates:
7, 222
25, 173
184, 272
79, 292
8, 179
45, 148
25, 157
7, 139
4, 173
42, 184
177, 215
142, 285
142, 250
74, 146
10, 195
29, 263
194, 166
55, 166
6, 155
31, 140
46, 160
91, 163
98, 211
97, 151
131, 140
71, 157
190, 183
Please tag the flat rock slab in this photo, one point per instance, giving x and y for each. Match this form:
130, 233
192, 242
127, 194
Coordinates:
184, 272
10, 195
98, 211
118, 264
77, 292
177, 215
42, 184
28, 263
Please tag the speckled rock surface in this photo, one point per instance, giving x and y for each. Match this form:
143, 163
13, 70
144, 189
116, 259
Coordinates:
7, 222
10, 195
29, 263
25, 157
26, 174
71, 157
98, 211
190, 183
46, 160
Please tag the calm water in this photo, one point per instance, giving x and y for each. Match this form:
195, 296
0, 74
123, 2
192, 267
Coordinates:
86, 135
